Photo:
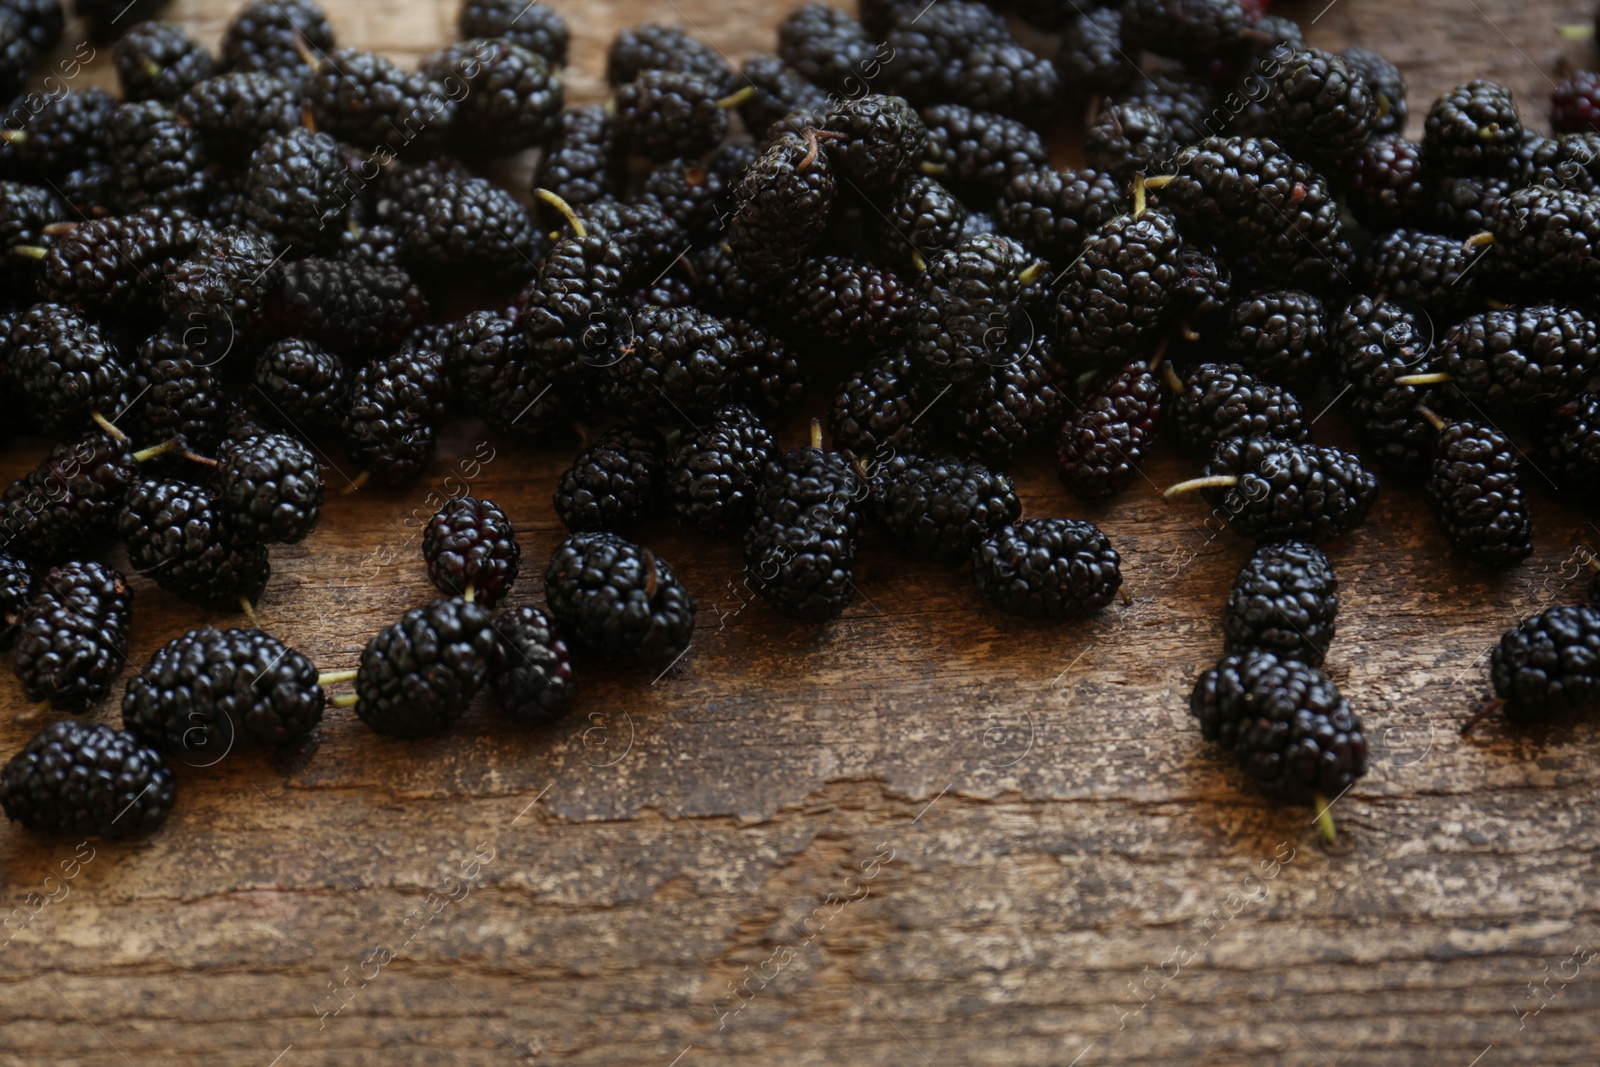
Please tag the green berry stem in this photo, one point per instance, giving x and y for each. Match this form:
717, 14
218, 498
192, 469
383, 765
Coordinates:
1434, 419
155, 451
1325, 819
1170, 376
336, 678
32, 713
30, 251
1216, 481
348, 701
566, 209
109, 427
356, 484
735, 99
312, 59
1436, 378
249, 611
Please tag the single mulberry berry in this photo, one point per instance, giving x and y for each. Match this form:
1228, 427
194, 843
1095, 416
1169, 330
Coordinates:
1280, 335
269, 488
875, 413
785, 202
537, 27
969, 295
72, 641
1321, 109
276, 36
74, 779
512, 96
1102, 444
664, 114
1222, 401
976, 153
176, 535
614, 484
1472, 129
1547, 667
1053, 213
1285, 600
160, 161
357, 310
299, 188
800, 552
365, 100
1569, 448
236, 112
840, 300
1387, 85
1258, 202
1548, 234
1285, 724
617, 601
769, 376
159, 61
584, 162
492, 374
653, 46
1523, 361
1387, 186
920, 220
471, 550
1128, 140
116, 266
213, 297
881, 141
302, 386
712, 477
1117, 292
205, 693
1015, 407
1048, 569
1476, 492
418, 675
828, 48
941, 508
537, 684
67, 506
472, 228
682, 357
1277, 491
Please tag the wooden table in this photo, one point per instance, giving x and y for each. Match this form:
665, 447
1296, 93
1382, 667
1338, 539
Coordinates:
924, 834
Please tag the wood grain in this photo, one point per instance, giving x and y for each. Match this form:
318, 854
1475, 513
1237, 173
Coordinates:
924, 834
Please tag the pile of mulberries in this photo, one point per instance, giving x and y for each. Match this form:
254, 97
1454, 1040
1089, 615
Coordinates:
284, 254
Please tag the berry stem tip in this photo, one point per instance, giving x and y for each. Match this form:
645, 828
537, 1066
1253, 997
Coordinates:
1325, 820
1216, 481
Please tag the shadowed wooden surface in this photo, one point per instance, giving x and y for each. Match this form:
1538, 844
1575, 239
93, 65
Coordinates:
923, 834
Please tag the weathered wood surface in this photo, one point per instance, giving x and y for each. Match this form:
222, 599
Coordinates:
924, 834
